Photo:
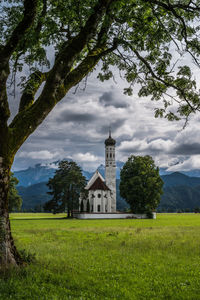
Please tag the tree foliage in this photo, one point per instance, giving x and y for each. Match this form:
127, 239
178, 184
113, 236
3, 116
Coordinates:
65, 188
141, 185
15, 201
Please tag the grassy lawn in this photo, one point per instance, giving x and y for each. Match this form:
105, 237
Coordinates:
106, 259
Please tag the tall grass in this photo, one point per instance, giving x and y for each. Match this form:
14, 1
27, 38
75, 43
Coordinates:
106, 259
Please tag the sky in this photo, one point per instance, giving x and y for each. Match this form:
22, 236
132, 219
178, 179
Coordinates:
79, 124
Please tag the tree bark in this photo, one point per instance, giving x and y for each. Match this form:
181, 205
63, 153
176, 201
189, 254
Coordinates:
9, 255
68, 213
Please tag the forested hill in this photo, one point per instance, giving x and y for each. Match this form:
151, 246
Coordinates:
179, 179
180, 192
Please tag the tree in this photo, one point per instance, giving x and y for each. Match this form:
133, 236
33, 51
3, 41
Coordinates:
15, 201
141, 185
65, 186
134, 36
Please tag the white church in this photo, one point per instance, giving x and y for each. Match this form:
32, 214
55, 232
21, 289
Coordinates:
101, 199
102, 192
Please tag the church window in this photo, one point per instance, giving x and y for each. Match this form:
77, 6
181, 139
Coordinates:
99, 195
99, 208
110, 155
107, 155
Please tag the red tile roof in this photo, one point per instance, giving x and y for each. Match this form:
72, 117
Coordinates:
99, 185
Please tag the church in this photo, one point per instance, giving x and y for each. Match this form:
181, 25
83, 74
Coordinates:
100, 202
102, 192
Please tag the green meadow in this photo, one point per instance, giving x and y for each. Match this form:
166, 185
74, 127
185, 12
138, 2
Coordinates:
105, 259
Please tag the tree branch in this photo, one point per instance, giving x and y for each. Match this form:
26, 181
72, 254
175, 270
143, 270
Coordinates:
32, 85
169, 6
68, 55
61, 78
18, 33
41, 18
6, 52
159, 79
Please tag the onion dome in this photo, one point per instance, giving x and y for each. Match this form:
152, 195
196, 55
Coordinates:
110, 141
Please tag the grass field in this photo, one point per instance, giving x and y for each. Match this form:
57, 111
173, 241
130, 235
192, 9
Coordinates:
106, 259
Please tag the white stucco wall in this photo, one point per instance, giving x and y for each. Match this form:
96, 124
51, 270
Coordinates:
104, 200
110, 173
112, 216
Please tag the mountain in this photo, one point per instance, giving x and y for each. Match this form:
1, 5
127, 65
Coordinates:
177, 198
180, 192
190, 173
32, 175
42, 173
179, 179
194, 173
34, 196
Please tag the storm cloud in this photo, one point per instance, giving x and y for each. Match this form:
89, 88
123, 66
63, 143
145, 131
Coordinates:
70, 116
186, 149
108, 99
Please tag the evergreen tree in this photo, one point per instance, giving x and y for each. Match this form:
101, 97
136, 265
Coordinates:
15, 201
65, 188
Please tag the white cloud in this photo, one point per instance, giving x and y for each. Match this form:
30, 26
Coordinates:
85, 157
43, 154
188, 164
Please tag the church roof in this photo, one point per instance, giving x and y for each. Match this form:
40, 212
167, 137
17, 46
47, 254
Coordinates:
98, 185
93, 179
110, 141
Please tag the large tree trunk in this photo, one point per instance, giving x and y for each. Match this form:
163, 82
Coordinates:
9, 255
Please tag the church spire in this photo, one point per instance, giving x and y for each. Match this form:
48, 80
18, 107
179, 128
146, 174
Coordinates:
110, 141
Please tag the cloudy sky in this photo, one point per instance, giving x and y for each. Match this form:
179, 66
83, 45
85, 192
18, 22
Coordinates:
79, 124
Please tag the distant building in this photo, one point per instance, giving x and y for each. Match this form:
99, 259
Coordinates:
102, 192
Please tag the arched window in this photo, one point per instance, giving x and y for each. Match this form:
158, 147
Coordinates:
99, 195
110, 155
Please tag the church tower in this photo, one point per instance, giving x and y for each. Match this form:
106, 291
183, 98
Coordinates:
110, 169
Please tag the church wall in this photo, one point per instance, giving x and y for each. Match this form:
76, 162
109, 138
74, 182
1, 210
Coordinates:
100, 199
112, 216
